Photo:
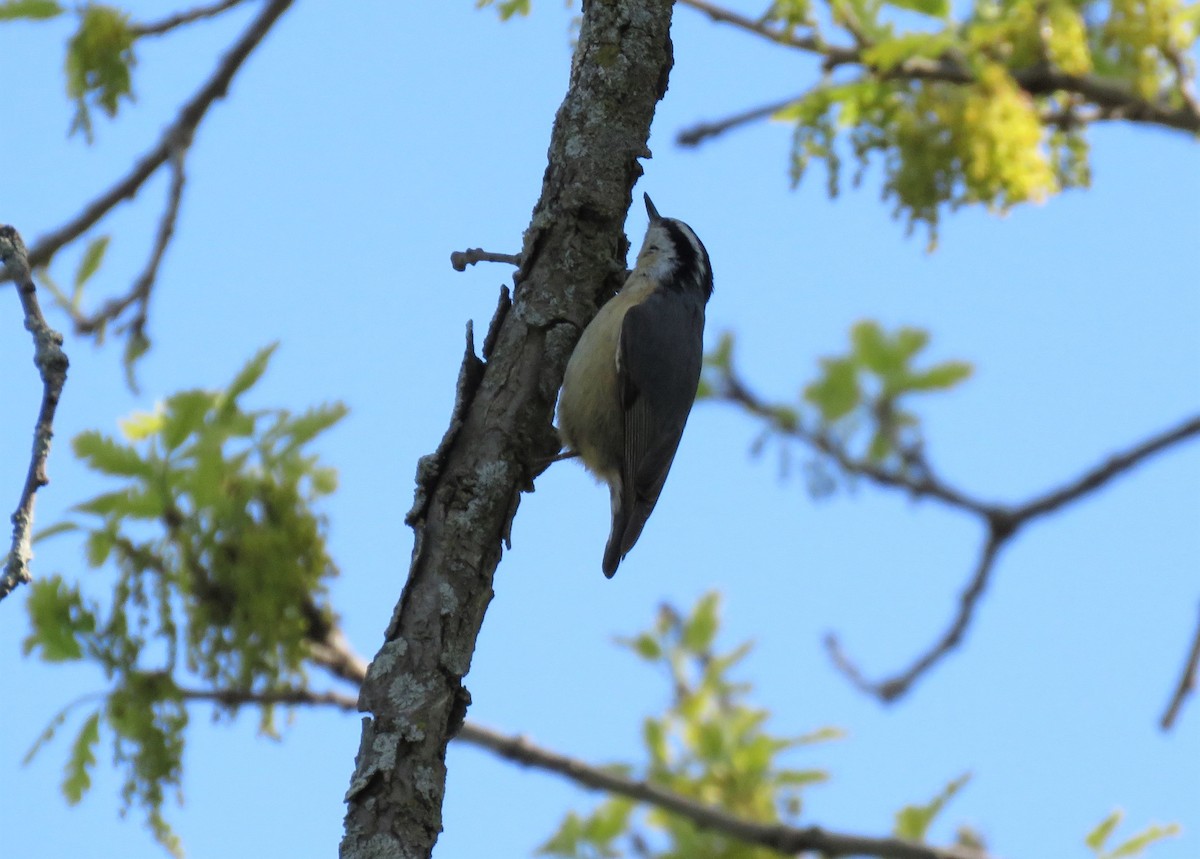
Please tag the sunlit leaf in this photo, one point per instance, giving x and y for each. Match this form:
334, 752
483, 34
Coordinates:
108, 456
912, 821
78, 779
31, 9
90, 263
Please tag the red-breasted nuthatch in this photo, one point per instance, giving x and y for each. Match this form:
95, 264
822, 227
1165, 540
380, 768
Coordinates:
632, 379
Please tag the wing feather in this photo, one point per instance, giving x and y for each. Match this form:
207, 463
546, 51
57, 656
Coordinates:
660, 352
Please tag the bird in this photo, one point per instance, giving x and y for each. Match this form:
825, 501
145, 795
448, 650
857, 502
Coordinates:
631, 381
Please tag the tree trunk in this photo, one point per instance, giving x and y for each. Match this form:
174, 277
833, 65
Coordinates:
501, 428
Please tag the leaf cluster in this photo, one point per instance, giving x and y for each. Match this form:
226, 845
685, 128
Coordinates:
100, 58
940, 100
710, 745
221, 571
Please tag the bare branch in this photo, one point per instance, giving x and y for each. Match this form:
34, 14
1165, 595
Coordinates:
461, 259
177, 135
778, 35
52, 364
1114, 101
697, 134
893, 688
139, 293
1187, 684
238, 697
169, 23
1002, 521
777, 836
1114, 466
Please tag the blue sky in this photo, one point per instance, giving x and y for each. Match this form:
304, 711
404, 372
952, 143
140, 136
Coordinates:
357, 150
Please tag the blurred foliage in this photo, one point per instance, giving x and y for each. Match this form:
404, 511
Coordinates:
711, 745
1097, 840
856, 412
982, 139
506, 8
100, 64
32, 10
220, 570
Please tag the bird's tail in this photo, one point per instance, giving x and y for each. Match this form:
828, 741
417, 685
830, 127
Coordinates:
628, 520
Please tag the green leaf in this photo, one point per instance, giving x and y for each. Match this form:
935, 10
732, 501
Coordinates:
31, 9
92, 257
880, 446
108, 456
801, 777
821, 735
936, 8
654, 735
314, 422
324, 480
54, 530
99, 62
721, 356
247, 376
58, 619
565, 842
912, 821
132, 503
837, 393
1096, 838
647, 646
701, 627
82, 759
184, 414
136, 346
889, 53
98, 546
608, 822
937, 377
140, 426
872, 349
1138, 843
507, 8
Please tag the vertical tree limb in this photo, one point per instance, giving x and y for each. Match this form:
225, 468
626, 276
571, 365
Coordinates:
51, 362
468, 490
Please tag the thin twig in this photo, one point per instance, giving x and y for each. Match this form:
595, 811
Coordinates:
779, 35
461, 259
1114, 466
178, 133
52, 364
777, 836
238, 697
697, 134
171, 22
139, 293
893, 688
1187, 684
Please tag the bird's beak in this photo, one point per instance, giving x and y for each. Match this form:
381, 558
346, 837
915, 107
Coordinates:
650, 210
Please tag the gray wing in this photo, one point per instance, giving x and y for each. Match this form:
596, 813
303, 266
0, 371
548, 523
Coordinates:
659, 357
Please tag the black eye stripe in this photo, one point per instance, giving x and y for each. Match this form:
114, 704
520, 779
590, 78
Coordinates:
692, 254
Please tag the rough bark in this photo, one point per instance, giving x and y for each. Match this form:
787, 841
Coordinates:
501, 428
